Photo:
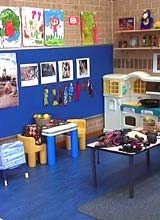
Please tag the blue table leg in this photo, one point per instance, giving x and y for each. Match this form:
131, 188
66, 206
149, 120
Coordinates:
51, 150
74, 143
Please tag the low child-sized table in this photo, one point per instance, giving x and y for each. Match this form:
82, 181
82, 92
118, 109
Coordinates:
115, 150
52, 132
11, 156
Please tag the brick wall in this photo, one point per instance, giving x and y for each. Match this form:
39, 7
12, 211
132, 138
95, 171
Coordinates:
73, 8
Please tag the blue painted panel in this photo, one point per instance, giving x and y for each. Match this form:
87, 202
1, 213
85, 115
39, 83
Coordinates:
12, 120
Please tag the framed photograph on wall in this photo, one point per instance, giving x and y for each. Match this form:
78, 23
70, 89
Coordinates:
126, 23
48, 72
156, 62
83, 67
65, 69
29, 74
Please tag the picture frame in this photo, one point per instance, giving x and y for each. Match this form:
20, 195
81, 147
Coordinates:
127, 23
156, 63
29, 74
48, 72
83, 67
65, 69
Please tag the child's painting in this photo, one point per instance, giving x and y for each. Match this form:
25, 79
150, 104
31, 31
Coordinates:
32, 26
83, 67
65, 70
54, 27
29, 74
89, 31
9, 95
10, 27
48, 72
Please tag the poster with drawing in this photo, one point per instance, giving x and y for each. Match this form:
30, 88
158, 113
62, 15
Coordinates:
29, 74
9, 95
65, 70
32, 26
89, 28
54, 27
48, 72
10, 27
83, 67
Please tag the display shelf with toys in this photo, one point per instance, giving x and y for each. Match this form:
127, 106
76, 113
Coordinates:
146, 38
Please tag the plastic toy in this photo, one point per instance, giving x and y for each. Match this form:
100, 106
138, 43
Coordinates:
146, 20
156, 25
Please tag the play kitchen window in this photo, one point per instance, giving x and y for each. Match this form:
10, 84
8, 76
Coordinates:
112, 87
139, 86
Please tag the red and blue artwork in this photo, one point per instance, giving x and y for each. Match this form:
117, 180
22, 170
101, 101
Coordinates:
32, 26
10, 27
54, 27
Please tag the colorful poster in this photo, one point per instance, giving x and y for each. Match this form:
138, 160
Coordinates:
10, 27
54, 27
32, 26
9, 95
89, 31
29, 74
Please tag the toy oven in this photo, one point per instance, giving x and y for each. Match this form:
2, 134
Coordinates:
129, 120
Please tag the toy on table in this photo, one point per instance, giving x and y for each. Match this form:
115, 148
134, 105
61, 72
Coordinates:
146, 20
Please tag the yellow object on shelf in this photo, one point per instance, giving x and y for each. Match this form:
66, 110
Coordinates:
133, 103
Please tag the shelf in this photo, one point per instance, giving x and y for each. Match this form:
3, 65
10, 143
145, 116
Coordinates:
137, 48
138, 31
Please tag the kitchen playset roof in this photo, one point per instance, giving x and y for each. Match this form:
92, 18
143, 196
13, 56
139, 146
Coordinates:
136, 74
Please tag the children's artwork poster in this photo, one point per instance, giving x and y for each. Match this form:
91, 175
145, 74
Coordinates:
54, 27
89, 30
29, 74
9, 95
10, 27
83, 67
65, 70
32, 26
48, 72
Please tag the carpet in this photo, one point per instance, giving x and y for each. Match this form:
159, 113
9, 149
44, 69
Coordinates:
117, 205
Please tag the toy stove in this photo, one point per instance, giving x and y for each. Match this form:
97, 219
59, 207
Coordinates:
133, 116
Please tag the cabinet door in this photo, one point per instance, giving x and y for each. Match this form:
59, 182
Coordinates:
112, 119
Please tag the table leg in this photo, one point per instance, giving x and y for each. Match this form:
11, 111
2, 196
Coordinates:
131, 176
51, 150
93, 163
74, 143
148, 157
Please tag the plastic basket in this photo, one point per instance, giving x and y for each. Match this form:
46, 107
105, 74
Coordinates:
42, 122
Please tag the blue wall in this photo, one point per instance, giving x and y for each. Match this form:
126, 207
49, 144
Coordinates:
13, 119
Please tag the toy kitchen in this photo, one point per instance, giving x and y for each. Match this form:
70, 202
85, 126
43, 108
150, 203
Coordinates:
131, 100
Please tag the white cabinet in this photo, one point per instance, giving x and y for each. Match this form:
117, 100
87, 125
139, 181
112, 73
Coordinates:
115, 93
112, 112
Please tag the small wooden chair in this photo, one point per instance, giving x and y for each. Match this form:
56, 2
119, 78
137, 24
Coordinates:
31, 149
81, 134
